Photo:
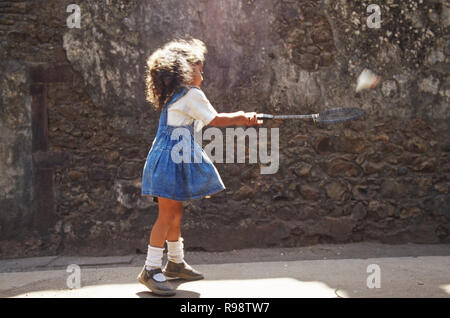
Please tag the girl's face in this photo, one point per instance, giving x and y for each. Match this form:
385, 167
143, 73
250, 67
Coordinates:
197, 78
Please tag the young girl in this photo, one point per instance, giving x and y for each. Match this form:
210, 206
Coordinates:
174, 76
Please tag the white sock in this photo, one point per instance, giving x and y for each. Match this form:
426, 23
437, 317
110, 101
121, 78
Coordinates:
154, 257
175, 252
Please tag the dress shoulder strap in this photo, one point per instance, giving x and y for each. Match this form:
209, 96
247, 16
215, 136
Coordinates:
175, 97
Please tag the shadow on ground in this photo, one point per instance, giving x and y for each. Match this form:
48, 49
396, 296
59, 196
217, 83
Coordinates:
319, 271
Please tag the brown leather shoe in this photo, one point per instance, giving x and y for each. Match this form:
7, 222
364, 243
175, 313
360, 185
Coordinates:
147, 278
181, 270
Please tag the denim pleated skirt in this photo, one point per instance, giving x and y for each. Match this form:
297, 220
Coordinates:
176, 167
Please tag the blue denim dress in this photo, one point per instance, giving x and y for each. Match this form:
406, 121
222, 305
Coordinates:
164, 177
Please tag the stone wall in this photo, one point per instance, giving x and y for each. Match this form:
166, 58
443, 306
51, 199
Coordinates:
76, 128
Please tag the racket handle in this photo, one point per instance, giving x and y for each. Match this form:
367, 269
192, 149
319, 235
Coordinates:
264, 116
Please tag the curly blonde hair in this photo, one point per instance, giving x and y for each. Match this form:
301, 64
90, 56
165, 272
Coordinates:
171, 67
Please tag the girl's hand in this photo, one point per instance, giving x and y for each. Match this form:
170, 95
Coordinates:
250, 119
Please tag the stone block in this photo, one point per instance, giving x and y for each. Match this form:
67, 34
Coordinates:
309, 192
339, 167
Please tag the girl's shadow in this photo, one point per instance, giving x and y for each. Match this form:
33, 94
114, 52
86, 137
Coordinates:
180, 293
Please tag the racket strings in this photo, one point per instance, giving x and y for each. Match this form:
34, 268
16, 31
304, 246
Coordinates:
340, 115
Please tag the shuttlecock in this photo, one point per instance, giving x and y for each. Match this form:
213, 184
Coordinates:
367, 79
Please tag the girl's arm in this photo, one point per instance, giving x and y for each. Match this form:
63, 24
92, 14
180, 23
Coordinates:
235, 119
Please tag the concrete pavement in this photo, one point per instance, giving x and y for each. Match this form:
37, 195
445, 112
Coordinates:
345, 271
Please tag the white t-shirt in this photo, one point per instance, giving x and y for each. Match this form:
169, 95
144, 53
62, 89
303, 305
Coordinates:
194, 106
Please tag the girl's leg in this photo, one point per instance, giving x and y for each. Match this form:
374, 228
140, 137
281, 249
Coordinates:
175, 246
169, 211
176, 265
174, 232
152, 276
167, 226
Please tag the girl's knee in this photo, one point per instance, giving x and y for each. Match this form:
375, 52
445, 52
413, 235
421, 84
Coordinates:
165, 217
171, 218
176, 220
164, 222
170, 215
